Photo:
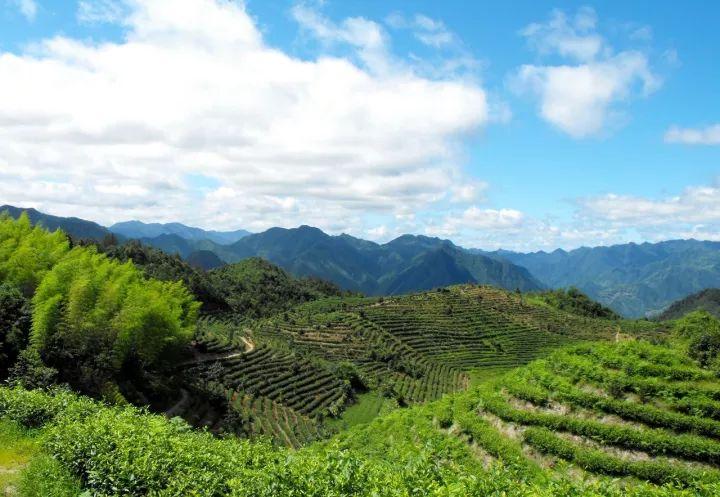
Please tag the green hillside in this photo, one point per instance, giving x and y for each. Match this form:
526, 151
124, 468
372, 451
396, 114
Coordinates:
614, 414
706, 300
466, 390
256, 288
600, 419
573, 301
319, 360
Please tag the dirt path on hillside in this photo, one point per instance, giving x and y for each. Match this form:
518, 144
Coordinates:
249, 345
202, 358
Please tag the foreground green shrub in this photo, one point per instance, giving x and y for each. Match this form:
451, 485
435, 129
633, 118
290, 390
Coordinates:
652, 441
126, 452
539, 387
34, 408
583, 369
597, 461
113, 452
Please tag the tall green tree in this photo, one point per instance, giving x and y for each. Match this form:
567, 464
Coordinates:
15, 322
92, 315
27, 252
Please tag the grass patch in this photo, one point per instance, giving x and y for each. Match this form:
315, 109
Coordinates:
366, 408
17, 448
478, 377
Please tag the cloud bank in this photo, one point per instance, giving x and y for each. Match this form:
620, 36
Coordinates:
194, 91
193, 117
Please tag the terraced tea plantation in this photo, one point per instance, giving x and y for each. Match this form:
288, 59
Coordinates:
308, 364
622, 410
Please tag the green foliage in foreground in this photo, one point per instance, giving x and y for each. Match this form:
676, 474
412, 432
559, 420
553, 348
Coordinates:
598, 461
113, 451
15, 321
45, 476
88, 300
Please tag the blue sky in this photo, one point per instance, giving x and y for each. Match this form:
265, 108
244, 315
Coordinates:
525, 125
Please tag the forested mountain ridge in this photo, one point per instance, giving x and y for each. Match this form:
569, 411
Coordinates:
138, 229
706, 300
632, 279
402, 265
408, 263
75, 227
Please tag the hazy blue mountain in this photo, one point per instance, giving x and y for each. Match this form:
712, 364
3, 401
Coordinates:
408, 263
73, 226
706, 300
633, 279
176, 244
171, 244
138, 230
204, 259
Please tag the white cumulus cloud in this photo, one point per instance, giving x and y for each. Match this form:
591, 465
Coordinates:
474, 219
116, 128
709, 135
581, 97
695, 204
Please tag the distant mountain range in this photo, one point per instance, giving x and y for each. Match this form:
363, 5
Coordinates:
407, 264
138, 229
633, 279
73, 226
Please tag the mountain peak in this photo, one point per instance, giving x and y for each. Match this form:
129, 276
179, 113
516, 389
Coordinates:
138, 229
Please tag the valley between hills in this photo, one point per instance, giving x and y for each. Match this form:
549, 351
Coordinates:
131, 371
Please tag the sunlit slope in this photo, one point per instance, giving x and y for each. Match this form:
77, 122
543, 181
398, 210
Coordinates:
307, 365
445, 448
462, 327
629, 410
